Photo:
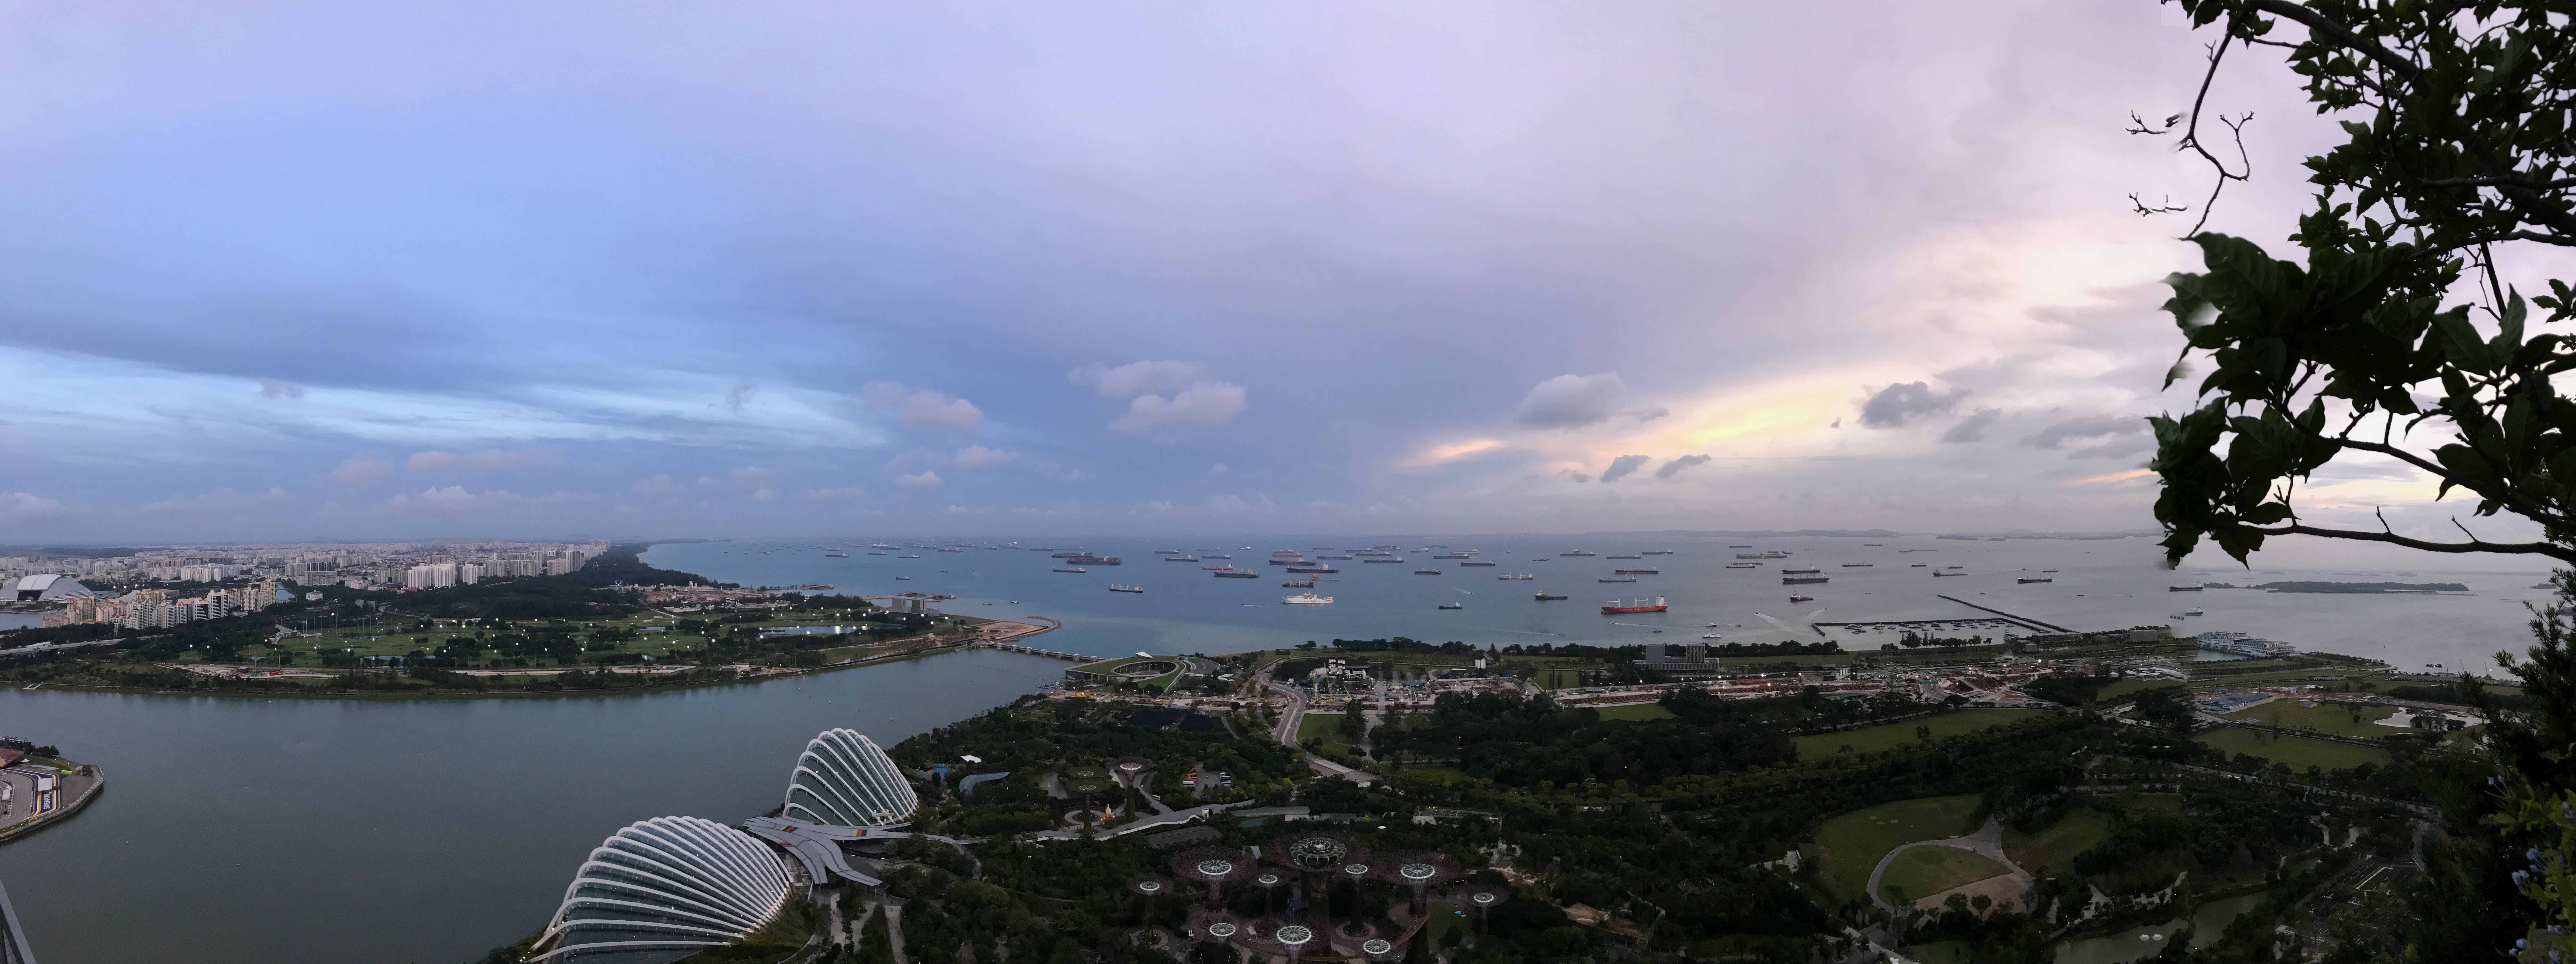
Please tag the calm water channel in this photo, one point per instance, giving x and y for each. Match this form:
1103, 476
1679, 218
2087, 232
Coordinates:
249, 830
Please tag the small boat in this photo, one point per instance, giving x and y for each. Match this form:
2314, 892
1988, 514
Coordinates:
1306, 599
1071, 569
1802, 599
1544, 596
1114, 587
1453, 605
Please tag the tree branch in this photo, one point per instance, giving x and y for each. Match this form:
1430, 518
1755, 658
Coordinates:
2550, 549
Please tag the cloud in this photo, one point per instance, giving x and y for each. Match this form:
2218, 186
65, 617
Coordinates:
444, 500
828, 495
28, 507
219, 499
429, 461
754, 476
1572, 401
1972, 428
975, 457
1581, 476
276, 388
740, 395
926, 480
2085, 427
1680, 465
1206, 403
360, 470
657, 485
1217, 469
1904, 401
488, 460
1139, 378
764, 495
923, 406
1623, 466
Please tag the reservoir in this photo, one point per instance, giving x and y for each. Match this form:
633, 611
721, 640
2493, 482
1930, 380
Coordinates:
246, 831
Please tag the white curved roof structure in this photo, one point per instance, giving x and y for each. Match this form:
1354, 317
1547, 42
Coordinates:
843, 780
49, 587
662, 889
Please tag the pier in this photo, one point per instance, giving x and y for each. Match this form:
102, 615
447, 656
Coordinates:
2024, 620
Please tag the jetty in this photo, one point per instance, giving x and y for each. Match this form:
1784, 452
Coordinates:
2024, 620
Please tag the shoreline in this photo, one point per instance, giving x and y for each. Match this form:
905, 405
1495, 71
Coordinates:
283, 693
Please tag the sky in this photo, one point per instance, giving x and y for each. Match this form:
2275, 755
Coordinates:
287, 271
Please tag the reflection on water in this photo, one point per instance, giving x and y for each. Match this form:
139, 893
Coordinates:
240, 830
2207, 923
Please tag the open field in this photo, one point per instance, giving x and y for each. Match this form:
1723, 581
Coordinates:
1852, 844
1871, 739
2053, 848
1328, 726
2126, 688
1635, 711
2298, 752
2337, 719
1925, 871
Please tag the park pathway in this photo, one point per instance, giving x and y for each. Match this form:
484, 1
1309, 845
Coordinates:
1987, 842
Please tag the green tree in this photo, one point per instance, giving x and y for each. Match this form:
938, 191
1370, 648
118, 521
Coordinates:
2392, 333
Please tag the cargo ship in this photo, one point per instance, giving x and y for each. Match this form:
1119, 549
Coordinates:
1772, 554
1087, 559
1801, 571
1426, 572
1071, 569
1217, 568
1484, 564
1298, 584
1637, 572
1328, 570
1802, 599
1744, 565
1577, 554
1523, 577
1620, 579
1180, 558
1114, 587
1626, 557
2031, 579
1306, 599
1802, 580
1453, 605
2197, 588
1546, 596
1659, 552
1858, 565
1235, 574
1167, 552
836, 554
1638, 606
1290, 561
1470, 554
1381, 559
1939, 572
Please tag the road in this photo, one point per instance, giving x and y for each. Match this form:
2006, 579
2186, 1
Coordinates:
1291, 718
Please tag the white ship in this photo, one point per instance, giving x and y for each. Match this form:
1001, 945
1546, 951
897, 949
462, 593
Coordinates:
1306, 599
2243, 644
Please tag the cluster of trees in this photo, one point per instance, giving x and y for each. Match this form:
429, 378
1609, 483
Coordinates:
1912, 640
30, 747
1519, 742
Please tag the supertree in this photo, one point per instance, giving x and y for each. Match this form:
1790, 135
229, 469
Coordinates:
1417, 873
1214, 867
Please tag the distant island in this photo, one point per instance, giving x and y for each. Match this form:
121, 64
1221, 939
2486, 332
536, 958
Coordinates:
2347, 587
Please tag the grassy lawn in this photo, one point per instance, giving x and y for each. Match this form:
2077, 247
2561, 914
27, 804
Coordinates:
1925, 871
1852, 844
2053, 848
1329, 727
1635, 711
1871, 739
2297, 751
2331, 718
2123, 689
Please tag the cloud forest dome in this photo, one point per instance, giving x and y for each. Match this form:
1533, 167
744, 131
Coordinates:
844, 780
661, 889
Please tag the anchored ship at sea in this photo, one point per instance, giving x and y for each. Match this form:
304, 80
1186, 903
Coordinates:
1114, 587
1307, 599
1617, 606
1802, 580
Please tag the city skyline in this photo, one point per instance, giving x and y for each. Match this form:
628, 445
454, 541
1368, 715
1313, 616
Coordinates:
401, 274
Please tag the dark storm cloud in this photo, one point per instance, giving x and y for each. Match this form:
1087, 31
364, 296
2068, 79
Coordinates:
1897, 404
